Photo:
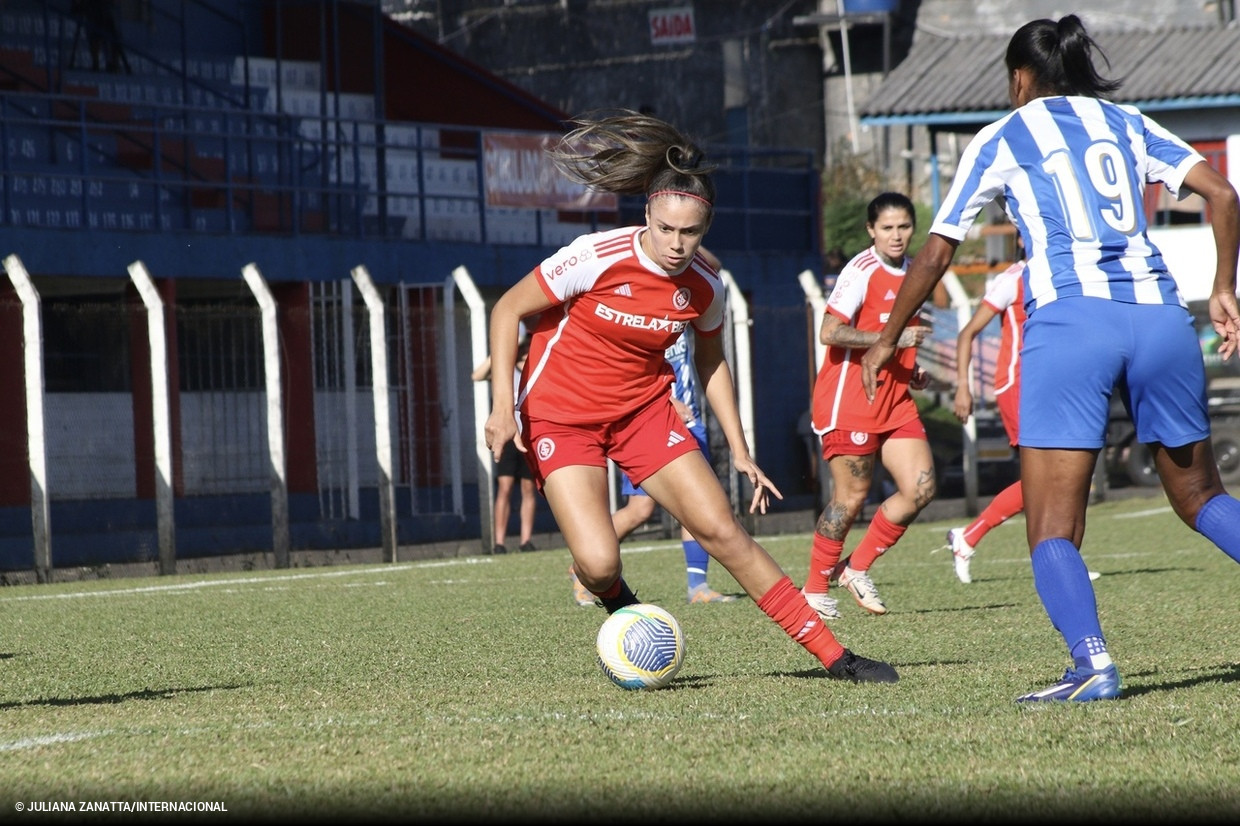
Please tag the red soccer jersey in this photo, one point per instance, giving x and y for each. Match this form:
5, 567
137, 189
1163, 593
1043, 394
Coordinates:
1005, 296
863, 296
598, 355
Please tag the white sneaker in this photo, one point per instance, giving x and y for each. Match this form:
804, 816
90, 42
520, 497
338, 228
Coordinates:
962, 554
862, 588
1093, 575
824, 605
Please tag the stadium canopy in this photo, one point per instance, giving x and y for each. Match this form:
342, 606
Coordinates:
959, 83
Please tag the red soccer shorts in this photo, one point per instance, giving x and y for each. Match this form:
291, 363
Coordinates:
639, 444
861, 443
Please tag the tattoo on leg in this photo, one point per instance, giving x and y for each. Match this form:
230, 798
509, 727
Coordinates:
861, 467
834, 521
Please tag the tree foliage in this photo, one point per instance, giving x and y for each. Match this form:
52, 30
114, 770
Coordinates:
848, 186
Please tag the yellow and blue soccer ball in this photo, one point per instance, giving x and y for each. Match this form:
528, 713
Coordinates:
641, 647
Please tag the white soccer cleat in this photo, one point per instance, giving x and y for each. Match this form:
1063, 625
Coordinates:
825, 606
862, 588
962, 554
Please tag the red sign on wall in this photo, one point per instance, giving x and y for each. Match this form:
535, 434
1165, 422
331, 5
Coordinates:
672, 26
518, 173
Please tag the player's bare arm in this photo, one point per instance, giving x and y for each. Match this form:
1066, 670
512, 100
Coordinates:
1224, 205
524, 299
836, 333
963, 406
923, 274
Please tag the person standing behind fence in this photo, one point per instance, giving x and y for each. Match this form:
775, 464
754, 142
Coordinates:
856, 434
1103, 310
509, 468
596, 382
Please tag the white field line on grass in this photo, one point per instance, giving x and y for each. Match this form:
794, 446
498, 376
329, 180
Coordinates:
384, 568
275, 578
49, 740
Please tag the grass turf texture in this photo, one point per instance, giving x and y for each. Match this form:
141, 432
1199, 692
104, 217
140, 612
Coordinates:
464, 690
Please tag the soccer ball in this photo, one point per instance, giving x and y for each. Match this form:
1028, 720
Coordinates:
640, 646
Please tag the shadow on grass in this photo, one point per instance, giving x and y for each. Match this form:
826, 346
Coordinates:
989, 607
1216, 674
821, 673
112, 699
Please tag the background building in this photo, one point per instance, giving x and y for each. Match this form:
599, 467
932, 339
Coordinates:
790, 74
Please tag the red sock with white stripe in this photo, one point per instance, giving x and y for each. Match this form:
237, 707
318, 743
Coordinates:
787, 606
822, 558
882, 534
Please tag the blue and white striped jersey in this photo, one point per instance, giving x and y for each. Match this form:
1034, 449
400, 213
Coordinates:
680, 356
1072, 172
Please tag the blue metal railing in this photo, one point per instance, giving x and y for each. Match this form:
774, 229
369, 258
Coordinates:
160, 167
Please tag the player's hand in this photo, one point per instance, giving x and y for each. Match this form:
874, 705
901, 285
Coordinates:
964, 404
913, 336
875, 357
920, 379
762, 486
1225, 317
683, 411
500, 429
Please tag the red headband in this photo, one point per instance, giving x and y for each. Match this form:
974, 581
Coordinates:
654, 195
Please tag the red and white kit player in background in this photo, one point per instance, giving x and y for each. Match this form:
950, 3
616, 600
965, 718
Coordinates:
1005, 299
856, 432
596, 384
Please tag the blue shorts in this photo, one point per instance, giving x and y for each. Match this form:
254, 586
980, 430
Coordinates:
699, 432
1078, 349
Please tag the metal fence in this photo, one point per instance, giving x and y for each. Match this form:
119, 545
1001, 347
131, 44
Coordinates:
166, 420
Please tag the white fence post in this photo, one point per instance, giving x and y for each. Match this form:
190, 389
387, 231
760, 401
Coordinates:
964, 311
275, 414
161, 415
742, 376
482, 403
32, 335
383, 423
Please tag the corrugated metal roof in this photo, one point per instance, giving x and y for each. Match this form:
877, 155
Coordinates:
963, 79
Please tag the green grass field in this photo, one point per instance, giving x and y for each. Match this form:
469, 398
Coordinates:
466, 690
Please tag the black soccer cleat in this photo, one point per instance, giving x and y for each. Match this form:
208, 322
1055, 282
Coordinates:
860, 670
621, 600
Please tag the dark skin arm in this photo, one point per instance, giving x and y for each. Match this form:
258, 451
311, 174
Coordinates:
927, 269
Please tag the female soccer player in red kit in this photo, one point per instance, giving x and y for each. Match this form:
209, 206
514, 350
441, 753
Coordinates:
857, 433
596, 384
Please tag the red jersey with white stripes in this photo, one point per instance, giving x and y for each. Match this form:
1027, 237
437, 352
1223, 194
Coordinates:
863, 296
597, 355
1005, 296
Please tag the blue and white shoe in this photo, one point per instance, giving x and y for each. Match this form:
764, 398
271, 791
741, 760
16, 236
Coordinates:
1079, 685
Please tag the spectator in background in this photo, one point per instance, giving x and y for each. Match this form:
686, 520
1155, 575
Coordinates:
509, 468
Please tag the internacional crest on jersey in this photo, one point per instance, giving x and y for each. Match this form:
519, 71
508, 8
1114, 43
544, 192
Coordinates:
593, 356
